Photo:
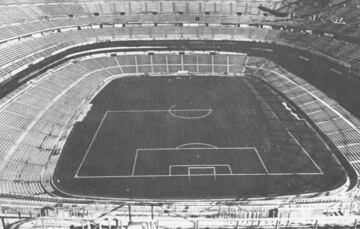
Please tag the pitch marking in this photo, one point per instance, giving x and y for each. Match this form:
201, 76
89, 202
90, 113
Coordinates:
287, 130
171, 112
196, 143
262, 162
92, 141
200, 165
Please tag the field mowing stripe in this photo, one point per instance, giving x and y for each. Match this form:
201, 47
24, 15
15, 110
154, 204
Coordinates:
92, 141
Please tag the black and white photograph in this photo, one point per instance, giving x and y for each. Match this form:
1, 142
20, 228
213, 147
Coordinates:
179, 114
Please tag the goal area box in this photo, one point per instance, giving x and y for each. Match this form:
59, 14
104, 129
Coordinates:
199, 169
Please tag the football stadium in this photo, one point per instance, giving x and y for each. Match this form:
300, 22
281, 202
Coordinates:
162, 114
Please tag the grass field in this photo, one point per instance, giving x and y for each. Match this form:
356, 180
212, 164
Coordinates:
198, 137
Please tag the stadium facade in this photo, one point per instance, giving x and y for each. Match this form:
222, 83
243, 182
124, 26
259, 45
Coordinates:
80, 80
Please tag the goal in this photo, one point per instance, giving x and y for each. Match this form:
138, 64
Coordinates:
201, 171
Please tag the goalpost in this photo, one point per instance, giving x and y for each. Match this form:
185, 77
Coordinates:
201, 171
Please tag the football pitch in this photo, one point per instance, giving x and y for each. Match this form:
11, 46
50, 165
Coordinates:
194, 138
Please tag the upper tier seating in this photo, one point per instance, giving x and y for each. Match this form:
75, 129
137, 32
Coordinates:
30, 50
22, 18
338, 11
14, 11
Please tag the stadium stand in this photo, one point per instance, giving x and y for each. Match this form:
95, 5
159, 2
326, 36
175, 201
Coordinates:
50, 100
46, 45
37, 115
